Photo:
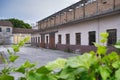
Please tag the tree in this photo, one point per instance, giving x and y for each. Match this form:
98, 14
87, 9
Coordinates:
19, 23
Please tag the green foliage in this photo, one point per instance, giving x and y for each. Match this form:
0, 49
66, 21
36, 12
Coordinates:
19, 23
12, 57
89, 66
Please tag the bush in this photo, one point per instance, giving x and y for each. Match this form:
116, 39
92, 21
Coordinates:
89, 66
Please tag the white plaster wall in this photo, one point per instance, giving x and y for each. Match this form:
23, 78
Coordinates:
112, 22
6, 34
36, 35
98, 25
82, 28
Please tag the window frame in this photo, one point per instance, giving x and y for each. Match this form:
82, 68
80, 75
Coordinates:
68, 39
92, 37
59, 38
8, 30
112, 36
78, 38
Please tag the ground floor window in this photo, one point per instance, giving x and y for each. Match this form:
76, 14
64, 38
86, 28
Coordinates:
59, 39
78, 38
38, 39
47, 39
92, 37
67, 38
112, 38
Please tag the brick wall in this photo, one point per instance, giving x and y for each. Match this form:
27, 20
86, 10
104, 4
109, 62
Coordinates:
82, 48
117, 4
70, 15
63, 18
57, 19
78, 12
91, 9
105, 5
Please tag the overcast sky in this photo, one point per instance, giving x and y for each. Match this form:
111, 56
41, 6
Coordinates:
31, 11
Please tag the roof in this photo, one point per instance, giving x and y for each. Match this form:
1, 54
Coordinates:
23, 30
5, 23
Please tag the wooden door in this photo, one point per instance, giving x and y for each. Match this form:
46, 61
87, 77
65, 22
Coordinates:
52, 41
42, 40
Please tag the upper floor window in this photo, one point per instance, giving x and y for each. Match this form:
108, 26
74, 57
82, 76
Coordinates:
7, 29
112, 38
0, 29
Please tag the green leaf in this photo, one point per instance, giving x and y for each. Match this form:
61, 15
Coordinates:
21, 43
116, 64
103, 40
96, 44
10, 53
15, 48
113, 56
85, 60
36, 76
102, 50
27, 64
117, 46
12, 58
43, 70
104, 72
26, 39
22, 78
6, 77
21, 69
58, 64
117, 74
104, 35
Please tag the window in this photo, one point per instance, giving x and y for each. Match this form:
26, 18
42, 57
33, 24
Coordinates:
112, 38
92, 37
47, 39
67, 38
38, 39
0, 29
59, 39
78, 38
7, 29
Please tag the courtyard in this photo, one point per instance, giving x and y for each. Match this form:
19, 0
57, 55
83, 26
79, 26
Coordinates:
40, 56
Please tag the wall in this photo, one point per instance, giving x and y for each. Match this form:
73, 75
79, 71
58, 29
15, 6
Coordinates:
5, 36
18, 37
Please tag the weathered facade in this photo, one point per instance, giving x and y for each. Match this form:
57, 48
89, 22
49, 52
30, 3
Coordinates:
5, 32
19, 34
80, 24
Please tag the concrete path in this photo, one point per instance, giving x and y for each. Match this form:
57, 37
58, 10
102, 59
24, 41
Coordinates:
37, 55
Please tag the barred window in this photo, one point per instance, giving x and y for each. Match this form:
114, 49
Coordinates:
78, 38
59, 39
46, 39
67, 38
92, 37
112, 38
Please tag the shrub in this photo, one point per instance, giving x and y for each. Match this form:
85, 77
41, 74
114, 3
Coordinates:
89, 66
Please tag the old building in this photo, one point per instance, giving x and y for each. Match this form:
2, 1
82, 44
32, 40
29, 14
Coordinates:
80, 24
20, 33
5, 32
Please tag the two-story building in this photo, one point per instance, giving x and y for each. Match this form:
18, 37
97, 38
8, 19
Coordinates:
5, 32
79, 25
